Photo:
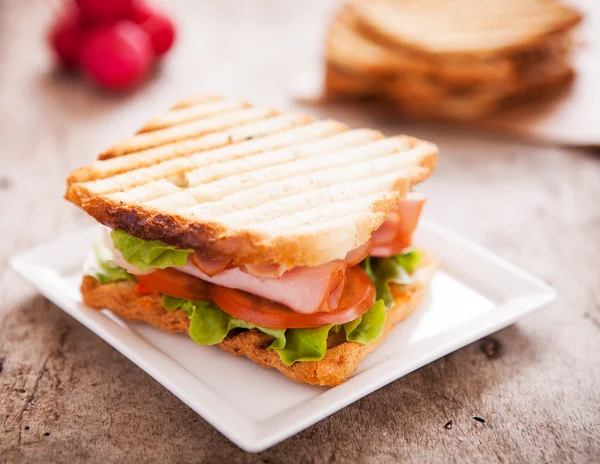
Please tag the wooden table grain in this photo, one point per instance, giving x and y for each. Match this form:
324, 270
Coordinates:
67, 396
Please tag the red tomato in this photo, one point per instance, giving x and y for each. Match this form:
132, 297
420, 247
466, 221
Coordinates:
175, 283
143, 290
358, 297
65, 37
118, 55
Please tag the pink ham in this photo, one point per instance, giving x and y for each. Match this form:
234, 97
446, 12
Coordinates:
265, 271
275, 271
303, 289
395, 233
357, 255
208, 266
387, 231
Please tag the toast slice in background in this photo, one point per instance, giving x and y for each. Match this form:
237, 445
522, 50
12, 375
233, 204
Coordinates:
464, 28
455, 60
251, 184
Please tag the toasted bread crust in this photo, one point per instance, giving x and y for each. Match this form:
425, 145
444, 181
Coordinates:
251, 185
340, 361
251, 246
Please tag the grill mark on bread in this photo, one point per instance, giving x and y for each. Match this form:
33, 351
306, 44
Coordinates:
195, 100
187, 114
215, 176
205, 159
145, 158
186, 131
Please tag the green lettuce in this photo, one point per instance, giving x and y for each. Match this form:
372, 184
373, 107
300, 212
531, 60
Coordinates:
369, 327
395, 269
171, 303
146, 255
304, 345
409, 261
209, 324
98, 267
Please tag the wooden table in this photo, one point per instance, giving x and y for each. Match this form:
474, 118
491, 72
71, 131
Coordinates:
65, 395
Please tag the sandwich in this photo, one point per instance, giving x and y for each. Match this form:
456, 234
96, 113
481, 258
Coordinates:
275, 236
450, 60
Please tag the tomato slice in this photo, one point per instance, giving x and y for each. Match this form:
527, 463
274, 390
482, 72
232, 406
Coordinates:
175, 283
142, 290
358, 297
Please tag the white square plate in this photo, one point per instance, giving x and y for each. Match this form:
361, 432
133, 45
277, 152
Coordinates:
473, 294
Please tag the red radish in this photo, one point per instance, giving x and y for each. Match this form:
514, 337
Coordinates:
104, 10
161, 31
140, 11
117, 56
65, 37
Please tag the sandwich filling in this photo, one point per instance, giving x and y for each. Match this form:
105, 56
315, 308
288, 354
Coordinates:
299, 307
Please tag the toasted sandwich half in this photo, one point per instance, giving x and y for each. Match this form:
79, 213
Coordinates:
277, 237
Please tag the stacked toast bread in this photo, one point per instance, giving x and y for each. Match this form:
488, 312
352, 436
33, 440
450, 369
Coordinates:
450, 59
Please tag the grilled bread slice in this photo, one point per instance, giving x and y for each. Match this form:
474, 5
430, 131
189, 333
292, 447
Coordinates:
251, 184
341, 359
463, 28
352, 48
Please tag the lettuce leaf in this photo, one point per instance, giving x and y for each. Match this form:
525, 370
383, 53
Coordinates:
304, 345
171, 303
148, 255
409, 261
366, 265
98, 267
395, 269
209, 324
369, 327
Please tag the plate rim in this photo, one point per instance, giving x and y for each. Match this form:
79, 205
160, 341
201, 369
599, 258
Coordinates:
255, 436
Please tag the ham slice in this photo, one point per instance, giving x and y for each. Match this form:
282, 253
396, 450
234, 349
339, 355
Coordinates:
395, 234
208, 266
386, 233
275, 271
358, 254
303, 289
265, 271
